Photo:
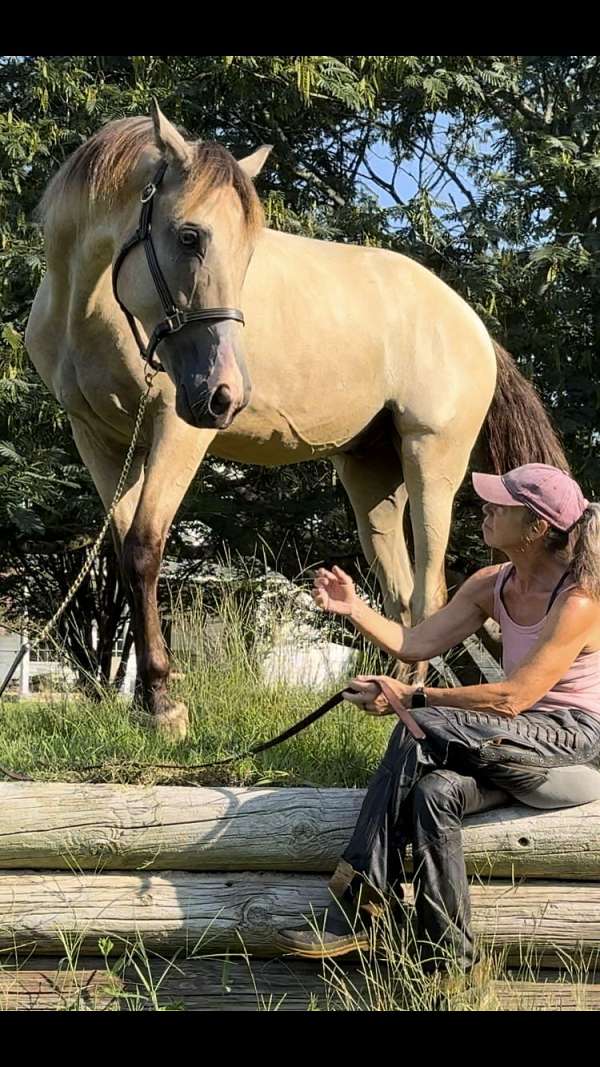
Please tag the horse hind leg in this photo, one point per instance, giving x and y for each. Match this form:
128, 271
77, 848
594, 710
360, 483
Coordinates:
373, 482
434, 466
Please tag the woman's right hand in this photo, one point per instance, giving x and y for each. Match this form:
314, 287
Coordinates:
334, 591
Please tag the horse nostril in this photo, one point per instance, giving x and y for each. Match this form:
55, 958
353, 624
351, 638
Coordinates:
220, 400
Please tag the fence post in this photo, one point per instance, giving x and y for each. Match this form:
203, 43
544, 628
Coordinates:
24, 665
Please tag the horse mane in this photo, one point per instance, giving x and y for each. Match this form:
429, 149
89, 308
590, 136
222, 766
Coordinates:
101, 169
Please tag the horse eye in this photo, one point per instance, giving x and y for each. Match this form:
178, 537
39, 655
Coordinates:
189, 238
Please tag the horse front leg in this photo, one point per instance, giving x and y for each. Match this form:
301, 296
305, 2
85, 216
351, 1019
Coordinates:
173, 461
142, 557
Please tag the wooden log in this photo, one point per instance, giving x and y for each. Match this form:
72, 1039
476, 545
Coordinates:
212, 912
125, 827
547, 996
191, 985
112, 827
40, 985
255, 985
520, 842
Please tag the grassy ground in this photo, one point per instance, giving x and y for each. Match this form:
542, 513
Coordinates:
230, 707
229, 713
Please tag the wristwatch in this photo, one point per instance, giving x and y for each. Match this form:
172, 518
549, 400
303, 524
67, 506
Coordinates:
419, 697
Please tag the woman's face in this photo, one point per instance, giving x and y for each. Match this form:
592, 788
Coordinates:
504, 527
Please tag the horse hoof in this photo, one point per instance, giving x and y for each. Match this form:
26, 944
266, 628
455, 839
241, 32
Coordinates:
171, 724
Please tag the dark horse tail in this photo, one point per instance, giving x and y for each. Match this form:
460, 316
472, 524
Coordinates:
518, 429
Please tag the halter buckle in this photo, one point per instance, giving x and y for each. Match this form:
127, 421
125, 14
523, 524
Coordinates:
175, 322
148, 192
153, 367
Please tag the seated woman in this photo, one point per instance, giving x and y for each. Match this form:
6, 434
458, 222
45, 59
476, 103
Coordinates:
530, 737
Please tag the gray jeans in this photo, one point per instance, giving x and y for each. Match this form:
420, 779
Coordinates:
565, 787
421, 791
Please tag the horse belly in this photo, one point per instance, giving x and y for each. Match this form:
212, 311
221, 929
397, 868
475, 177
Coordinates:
272, 434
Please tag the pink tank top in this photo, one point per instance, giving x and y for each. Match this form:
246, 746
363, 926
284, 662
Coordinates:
578, 688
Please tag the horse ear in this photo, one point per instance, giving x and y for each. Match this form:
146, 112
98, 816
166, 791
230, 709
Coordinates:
252, 165
169, 140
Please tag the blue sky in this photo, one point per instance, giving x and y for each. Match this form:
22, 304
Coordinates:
406, 183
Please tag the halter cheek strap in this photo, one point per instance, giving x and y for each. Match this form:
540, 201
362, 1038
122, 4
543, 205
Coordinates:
175, 319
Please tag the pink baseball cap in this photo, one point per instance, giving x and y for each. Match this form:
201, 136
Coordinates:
548, 491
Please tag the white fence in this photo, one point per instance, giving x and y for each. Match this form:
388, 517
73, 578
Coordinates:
42, 662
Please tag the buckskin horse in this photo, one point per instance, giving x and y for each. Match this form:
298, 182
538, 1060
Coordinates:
276, 349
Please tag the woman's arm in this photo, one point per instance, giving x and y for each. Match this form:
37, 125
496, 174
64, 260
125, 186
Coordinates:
573, 623
466, 612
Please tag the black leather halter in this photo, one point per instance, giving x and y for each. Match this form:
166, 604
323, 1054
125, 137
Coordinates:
175, 319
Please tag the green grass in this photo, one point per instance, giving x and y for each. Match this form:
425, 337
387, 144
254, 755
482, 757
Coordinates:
231, 709
51, 740
126, 976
